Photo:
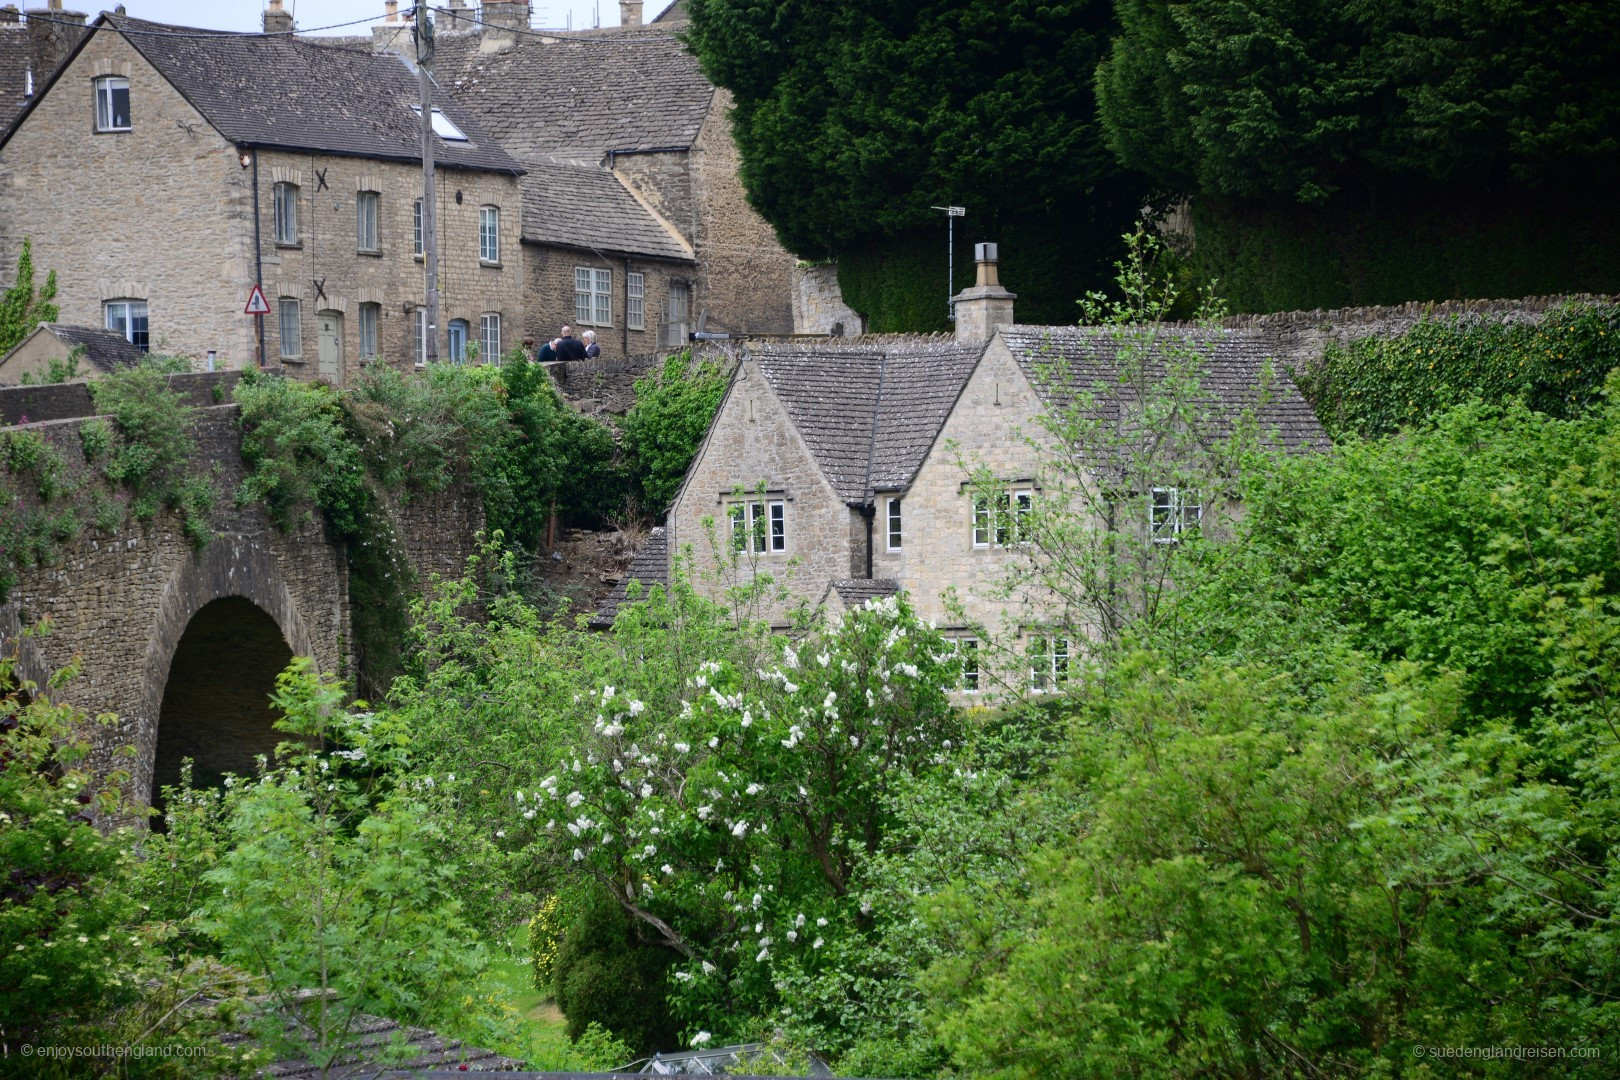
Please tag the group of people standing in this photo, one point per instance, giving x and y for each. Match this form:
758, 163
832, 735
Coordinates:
569, 347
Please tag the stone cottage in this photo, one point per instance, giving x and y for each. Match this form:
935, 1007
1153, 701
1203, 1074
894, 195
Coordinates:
161, 172
52, 349
841, 468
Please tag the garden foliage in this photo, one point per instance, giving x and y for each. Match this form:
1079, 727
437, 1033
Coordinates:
666, 425
24, 305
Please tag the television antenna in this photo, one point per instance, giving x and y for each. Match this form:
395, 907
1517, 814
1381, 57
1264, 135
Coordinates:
951, 214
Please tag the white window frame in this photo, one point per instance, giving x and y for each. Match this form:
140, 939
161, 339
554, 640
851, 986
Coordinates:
444, 127
893, 523
1172, 512
635, 301
758, 526
593, 296
365, 222
1049, 658
125, 312
967, 650
416, 228
105, 89
370, 327
284, 213
489, 337
489, 234
285, 306
419, 332
1000, 522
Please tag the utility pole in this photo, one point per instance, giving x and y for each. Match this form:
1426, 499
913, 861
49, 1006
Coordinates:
951, 214
430, 234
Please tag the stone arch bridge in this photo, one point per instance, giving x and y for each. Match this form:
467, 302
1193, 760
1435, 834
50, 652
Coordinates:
184, 645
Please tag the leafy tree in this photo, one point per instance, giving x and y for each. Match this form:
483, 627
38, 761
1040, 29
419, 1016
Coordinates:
664, 428
1279, 100
854, 119
23, 307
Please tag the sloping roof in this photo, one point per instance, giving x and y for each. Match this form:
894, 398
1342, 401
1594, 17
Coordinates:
576, 97
297, 93
583, 206
650, 566
1061, 361
102, 348
869, 413
13, 71
427, 1052
856, 591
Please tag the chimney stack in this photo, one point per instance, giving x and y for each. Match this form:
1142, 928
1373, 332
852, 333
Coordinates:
277, 19
458, 16
52, 34
501, 18
985, 306
393, 34
10, 17
629, 12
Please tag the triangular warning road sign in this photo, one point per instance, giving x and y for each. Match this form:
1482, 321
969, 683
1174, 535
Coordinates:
257, 304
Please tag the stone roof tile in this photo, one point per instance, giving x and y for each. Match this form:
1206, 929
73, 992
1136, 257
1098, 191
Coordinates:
869, 413
649, 565
103, 349
14, 59
583, 206
578, 97
1232, 372
300, 94
856, 591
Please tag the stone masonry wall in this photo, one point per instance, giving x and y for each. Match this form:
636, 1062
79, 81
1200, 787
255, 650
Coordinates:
162, 212
549, 283
122, 602
753, 441
818, 304
62, 401
392, 276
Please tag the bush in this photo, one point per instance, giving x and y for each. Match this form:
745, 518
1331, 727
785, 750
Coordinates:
608, 975
664, 428
153, 457
1555, 366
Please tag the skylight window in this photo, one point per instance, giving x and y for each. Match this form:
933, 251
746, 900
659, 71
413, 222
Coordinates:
442, 126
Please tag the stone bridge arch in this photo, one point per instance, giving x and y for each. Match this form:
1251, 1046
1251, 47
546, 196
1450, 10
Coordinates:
211, 639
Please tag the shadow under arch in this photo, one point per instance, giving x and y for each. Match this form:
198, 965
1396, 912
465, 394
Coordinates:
226, 626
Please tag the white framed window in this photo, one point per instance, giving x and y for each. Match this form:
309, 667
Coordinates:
489, 337
416, 228
967, 651
893, 523
369, 317
292, 329
458, 329
443, 126
1003, 520
758, 527
593, 296
127, 318
1048, 662
420, 334
635, 301
489, 234
365, 212
112, 103
285, 216
1174, 511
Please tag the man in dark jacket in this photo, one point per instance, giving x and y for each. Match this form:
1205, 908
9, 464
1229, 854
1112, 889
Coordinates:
569, 347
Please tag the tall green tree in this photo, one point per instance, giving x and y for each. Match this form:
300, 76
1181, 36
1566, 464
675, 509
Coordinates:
24, 307
854, 119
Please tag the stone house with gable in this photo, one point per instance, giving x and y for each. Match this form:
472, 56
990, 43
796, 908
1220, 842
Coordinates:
840, 468
635, 221
89, 350
162, 171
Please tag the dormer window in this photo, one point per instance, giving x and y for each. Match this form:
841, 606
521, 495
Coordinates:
112, 103
442, 125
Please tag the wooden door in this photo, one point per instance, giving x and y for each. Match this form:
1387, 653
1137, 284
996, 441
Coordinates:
329, 336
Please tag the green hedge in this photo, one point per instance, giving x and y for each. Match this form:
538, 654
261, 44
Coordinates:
1426, 245
1556, 366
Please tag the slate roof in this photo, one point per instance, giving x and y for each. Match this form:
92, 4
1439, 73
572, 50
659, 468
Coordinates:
1231, 374
869, 412
584, 206
13, 71
430, 1054
650, 566
295, 93
575, 98
103, 349
856, 591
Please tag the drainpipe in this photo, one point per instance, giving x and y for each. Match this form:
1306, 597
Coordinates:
869, 512
258, 251
625, 317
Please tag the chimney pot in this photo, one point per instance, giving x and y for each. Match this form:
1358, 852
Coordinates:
986, 305
392, 7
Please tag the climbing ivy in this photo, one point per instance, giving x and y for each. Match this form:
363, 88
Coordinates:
1556, 366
